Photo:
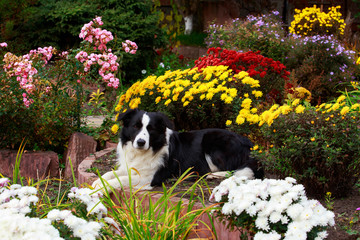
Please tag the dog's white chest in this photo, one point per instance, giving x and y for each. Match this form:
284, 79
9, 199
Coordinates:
145, 162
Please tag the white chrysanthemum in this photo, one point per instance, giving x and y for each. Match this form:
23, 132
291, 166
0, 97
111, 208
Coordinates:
321, 235
262, 223
80, 230
227, 209
294, 227
260, 205
73, 221
298, 189
4, 182
276, 190
307, 225
306, 214
275, 217
290, 180
33, 199
284, 220
15, 186
294, 210
267, 236
64, 214
54, 215
88, 237
251, 210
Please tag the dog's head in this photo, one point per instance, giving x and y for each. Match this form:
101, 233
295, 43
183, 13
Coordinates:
145, 130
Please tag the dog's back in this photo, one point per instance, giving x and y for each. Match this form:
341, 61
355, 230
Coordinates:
208, 150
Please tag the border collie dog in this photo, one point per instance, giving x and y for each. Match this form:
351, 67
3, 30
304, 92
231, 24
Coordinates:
152, 151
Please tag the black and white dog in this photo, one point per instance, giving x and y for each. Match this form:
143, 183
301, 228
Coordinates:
152, 151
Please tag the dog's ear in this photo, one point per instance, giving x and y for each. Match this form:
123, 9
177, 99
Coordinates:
126, 116
167, 122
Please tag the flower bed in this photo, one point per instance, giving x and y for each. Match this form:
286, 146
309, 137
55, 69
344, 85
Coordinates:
86, 177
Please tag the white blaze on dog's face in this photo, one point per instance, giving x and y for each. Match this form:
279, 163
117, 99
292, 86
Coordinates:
142, 139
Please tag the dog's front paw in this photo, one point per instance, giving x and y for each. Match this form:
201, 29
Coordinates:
97, 184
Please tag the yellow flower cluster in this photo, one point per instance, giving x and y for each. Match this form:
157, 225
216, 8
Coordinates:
183, 86
312, 21
301, 93
339, 105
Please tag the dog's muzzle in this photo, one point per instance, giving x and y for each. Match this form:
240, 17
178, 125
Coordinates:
140, 143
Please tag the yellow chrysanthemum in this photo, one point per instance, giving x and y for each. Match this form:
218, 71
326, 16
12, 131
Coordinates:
299, 109
345, 110
167, 102
340, 99
239, 120
115, 128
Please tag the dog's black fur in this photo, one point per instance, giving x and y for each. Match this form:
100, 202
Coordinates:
228, 151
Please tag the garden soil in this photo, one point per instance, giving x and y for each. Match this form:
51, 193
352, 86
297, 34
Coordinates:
344, 208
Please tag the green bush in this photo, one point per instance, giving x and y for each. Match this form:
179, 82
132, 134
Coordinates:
58, 23
320, 148
322, 65
257, 33
192, 39
49, 120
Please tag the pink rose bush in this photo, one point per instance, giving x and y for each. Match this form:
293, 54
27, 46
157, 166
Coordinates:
92, 34
106, 60
24, 71
129, 46
23, 67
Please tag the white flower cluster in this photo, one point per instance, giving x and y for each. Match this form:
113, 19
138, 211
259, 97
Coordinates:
80, 227
91, 199
15, 226
273, 202
16, 202
17, 199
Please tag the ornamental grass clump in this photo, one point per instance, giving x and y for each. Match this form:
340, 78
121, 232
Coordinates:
174, 215
312, 21
319, 147
271, 209
262, 33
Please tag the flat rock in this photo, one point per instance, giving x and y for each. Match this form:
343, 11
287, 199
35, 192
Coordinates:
36, 165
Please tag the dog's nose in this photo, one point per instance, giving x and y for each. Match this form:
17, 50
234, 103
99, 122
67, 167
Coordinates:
141, 142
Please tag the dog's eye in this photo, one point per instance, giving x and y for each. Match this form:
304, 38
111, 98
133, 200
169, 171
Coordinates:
137, 125
149, 127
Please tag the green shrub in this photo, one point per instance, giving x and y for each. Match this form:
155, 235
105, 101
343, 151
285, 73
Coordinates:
320, 148
53, 110
192, 39
58, 23
256, 33
322, 65
167, 60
